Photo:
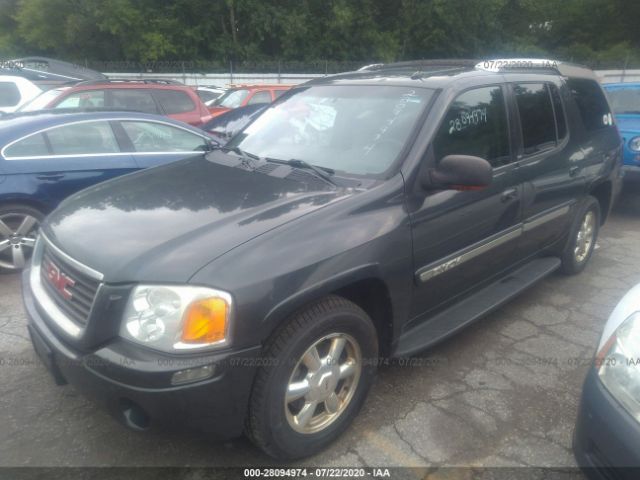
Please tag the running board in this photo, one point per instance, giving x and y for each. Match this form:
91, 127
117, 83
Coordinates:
472, 308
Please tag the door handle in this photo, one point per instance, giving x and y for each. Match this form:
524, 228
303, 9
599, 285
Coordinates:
50, 176
508, 195
573, 171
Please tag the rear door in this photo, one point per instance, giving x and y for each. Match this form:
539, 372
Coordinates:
155, 143
59, 161
549, 170
463, 239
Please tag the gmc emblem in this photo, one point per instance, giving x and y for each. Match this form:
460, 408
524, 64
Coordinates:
59, 280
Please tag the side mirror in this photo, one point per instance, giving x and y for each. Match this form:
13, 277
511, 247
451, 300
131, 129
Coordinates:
212, 144
459, 172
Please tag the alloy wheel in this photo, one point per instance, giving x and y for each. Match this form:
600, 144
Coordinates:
17, 239
585, 238
323, 383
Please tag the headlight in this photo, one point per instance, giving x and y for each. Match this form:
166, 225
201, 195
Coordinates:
634, 144
618, 364
177, 318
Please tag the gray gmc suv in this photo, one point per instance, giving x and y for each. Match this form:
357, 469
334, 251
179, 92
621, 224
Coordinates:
361, 216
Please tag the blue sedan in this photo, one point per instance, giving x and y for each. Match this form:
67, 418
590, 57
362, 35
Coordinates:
46, 156
625, 102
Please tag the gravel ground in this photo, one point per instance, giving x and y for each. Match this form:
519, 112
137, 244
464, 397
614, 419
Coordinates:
504, 392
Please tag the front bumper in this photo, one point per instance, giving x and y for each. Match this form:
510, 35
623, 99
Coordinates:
134, 383
606, 440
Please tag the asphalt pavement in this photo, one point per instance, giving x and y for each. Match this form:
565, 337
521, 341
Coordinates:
504, 392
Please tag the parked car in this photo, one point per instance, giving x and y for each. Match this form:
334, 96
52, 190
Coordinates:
209, 94
241, 95
45, 157
625, 102
607, 432
225, 126
370, 214
41, 101
161, 97
48, 72
15, 91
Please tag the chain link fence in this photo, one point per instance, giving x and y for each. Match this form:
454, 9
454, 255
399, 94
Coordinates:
322, 67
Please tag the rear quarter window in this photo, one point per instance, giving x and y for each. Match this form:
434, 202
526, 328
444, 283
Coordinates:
592, 104
9, 94
174, 101
32, 146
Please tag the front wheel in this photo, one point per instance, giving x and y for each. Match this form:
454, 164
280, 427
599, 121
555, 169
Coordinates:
582, 238
18, 229
317, 377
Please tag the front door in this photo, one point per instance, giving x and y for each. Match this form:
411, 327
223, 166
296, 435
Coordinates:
464, 238
155, 143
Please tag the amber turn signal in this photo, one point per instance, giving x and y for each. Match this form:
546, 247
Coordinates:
205, 321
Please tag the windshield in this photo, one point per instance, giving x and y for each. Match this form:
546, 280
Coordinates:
354, 129
625, 100
231, 99
41, 101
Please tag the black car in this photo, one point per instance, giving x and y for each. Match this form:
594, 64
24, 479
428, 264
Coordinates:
361, 216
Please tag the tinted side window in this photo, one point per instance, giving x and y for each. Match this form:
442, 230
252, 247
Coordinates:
32, 146
9, 94
536, 116
591, 102
133, 99
475, 124
561, 122
82, 138
260, 97
278, 93
84, 99
173, 101
159, 137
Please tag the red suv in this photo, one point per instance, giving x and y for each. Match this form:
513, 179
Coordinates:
162, 97
241, 95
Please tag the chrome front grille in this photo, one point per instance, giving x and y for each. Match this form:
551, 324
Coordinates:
71, 290
63, 287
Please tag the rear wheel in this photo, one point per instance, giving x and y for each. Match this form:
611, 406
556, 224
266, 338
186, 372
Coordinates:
582, 238
317, 373
18, 228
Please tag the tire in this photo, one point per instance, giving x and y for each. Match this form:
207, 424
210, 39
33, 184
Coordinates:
16, 245
576, 254
276, 425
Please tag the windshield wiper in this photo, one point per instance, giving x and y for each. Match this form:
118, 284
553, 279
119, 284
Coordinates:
247, 158
322, 172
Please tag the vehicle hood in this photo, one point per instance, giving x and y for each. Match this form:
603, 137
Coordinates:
628, 123
165, 223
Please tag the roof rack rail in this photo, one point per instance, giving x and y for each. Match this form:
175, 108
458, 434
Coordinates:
421, 65
497, 65
150, 81
520, 65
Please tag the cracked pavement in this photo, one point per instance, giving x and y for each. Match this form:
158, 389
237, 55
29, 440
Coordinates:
504, 392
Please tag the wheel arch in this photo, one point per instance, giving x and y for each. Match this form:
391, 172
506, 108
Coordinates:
24, 201
603, 192
363, 286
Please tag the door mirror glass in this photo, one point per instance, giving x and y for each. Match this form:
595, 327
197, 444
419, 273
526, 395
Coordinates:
459, 172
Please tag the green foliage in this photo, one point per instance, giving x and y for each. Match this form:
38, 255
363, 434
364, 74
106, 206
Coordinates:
593, 31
